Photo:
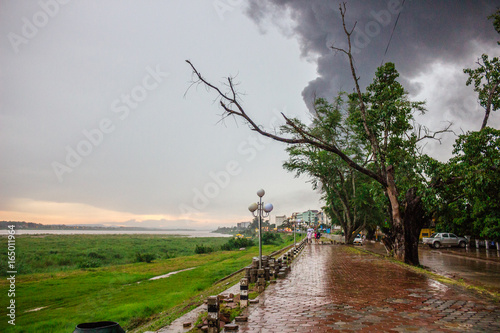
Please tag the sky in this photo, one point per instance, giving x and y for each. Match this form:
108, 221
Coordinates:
100, 122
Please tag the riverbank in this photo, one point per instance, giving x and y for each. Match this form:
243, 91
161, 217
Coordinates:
58, 300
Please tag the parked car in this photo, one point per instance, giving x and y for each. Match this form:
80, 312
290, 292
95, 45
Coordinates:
358, 240
444, 239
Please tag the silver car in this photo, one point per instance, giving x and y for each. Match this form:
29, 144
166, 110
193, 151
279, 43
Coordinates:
444, 239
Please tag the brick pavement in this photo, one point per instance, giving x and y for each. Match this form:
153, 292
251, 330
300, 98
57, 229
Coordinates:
333, 288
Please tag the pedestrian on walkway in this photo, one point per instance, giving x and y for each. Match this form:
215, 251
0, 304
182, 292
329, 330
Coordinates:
317, 236
309, 235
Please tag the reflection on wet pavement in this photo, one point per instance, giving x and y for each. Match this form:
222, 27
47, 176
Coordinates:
460, 263
333, 288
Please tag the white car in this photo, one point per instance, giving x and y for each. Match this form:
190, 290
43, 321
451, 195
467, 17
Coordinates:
358, 240
444, 239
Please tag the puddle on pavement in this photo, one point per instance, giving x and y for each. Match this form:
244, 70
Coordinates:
437, 286
483, 272
459, 263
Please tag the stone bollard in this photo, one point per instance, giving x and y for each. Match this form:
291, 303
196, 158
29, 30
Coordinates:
248, 272
498, 246
255, 262
487, 244
243, 293
284, 268
213, 314
253, 275
265, 261
272, 270
261, 282
477, 243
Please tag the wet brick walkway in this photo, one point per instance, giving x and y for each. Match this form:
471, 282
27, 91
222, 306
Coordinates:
333, 288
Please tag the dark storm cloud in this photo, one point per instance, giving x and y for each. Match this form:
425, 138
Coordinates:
427, 32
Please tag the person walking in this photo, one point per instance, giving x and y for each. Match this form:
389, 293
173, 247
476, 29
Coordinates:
317, 236
309, 235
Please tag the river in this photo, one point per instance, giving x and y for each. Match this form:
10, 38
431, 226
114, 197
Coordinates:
187, 233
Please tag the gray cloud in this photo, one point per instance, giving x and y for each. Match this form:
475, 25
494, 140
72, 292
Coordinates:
426, 31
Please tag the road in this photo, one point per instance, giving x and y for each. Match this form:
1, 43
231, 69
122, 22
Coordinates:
478, 267
331, 288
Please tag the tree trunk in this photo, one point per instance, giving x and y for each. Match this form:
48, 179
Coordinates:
398, 236
402, 240
388, 242
348, 237
370, 233
414, 220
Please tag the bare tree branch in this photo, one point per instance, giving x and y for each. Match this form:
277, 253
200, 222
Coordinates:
232, 107
428, 134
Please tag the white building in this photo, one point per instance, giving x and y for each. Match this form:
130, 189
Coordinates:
243, 225
280, 219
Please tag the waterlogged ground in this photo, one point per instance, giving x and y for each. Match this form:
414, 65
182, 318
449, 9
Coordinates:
479, 267
336, 288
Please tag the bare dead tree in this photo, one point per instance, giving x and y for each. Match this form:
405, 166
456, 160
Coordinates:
232, 107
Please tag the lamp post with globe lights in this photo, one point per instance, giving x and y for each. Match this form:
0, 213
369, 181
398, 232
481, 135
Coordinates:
294, 232
260, 210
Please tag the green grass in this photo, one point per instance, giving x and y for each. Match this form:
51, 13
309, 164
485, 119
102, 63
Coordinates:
53, 253
117, 292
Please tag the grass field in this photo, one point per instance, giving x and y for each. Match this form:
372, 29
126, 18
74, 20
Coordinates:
53, 253
60, 292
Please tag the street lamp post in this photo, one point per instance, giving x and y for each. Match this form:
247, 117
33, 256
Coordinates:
294, 232
257, 208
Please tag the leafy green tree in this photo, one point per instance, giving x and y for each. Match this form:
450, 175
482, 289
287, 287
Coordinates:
349, 202
383, 117
467, 200
486, 78
470, 200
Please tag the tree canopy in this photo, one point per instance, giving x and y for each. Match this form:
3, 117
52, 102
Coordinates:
374, 147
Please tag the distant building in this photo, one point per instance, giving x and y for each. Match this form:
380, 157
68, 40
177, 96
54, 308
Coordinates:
309, 217
323, 218
280, 220
243, 225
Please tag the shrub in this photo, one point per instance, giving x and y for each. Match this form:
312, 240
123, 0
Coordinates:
89, 264
146, 257
64, 262
203, 249
236, 243
95, 255
271, 238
